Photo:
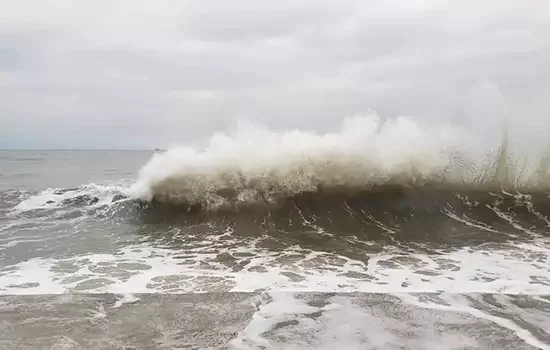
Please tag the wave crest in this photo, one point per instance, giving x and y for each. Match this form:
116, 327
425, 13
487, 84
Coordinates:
255, 164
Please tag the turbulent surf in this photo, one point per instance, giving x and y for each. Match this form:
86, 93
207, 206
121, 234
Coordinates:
417, 214
392, 181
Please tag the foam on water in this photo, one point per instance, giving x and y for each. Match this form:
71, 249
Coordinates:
95, 194
390, 321
520, 268
294, 322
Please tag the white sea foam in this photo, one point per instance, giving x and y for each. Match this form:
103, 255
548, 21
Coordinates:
56, 197
285, 320
518, 269
293, 321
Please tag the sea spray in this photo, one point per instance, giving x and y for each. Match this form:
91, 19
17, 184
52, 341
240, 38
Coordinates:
254, 164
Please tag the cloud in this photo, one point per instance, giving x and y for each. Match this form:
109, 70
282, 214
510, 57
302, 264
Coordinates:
148, 74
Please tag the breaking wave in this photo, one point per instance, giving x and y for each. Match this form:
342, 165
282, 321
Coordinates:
254, 165
370, 163
396, 177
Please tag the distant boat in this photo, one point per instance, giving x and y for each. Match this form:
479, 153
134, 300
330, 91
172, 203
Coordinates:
158, 150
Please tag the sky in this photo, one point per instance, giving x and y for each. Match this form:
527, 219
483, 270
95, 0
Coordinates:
149, 74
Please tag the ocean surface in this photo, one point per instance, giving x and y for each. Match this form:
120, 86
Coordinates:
274, 241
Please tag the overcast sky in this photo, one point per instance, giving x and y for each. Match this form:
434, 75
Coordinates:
145, 74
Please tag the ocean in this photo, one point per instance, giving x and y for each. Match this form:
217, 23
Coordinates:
367, 238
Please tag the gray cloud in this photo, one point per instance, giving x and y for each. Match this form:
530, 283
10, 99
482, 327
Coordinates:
148, 74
